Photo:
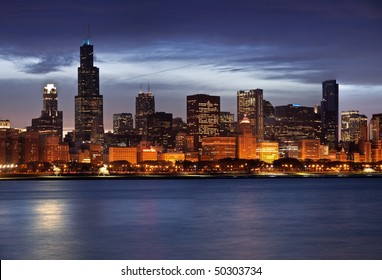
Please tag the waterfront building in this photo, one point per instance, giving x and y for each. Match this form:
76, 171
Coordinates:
329, 114
52, 150
246, 141
172, 156
123, 123
88, 103
147, 155
250, 103
309, 149
9, 146
267, 151
219, 147
129, 154
51, 120
203, 117
29, 146
144, 107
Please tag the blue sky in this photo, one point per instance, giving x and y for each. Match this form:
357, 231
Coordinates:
287, 48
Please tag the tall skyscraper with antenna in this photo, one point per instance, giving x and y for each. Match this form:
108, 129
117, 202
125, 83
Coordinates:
88, 103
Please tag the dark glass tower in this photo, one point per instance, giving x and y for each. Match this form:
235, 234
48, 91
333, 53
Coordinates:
88, 102
144, 107
50, 122
329, 114
203, 117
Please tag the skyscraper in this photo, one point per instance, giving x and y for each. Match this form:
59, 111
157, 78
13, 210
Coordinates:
329, 114
353, 126
50, 121
376, 127
159, 127
144, 107
88, 103
250, 103
203, 117
123, 123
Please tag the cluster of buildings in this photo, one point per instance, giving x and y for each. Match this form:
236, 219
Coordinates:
261, 131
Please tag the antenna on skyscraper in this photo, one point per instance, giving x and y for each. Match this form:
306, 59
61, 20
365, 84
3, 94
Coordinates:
140, 88
148, 87
86, 40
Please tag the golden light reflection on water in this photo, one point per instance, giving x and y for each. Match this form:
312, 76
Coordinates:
50, 215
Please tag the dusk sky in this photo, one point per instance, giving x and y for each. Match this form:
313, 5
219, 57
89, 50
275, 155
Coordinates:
180, 48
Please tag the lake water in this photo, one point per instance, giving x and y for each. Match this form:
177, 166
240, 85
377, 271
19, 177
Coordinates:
272, 218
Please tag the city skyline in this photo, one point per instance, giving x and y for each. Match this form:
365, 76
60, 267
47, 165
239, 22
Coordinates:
286, 49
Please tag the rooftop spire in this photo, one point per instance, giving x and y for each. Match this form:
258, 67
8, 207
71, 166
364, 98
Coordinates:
86, 40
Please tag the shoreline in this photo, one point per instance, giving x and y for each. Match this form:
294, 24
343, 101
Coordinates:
14, 177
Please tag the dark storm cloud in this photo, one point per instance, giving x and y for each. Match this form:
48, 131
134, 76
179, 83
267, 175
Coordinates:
303, 41
47, 64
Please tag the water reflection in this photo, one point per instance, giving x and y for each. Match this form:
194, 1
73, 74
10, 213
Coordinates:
49, 215
191, 219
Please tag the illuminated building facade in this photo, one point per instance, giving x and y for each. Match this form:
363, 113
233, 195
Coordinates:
215, 148
123, 123
250, 103
129, 154
51, 150
376, 127
353, 126
30, 146
88, 103
309, 149
246, 141
203, 117
5, 124
9, 146
147, 155
144, 107
329, 114
51, 120
267, 151
172, 156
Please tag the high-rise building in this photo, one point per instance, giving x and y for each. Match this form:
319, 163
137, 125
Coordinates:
269, 121
5, 124
250, 103
295, 122
353, 126
227, 124
203, 117
9, 146
329, 114
246, 141
123, 123
88, 103
144, 107
159, 127
50, 121
376, 127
